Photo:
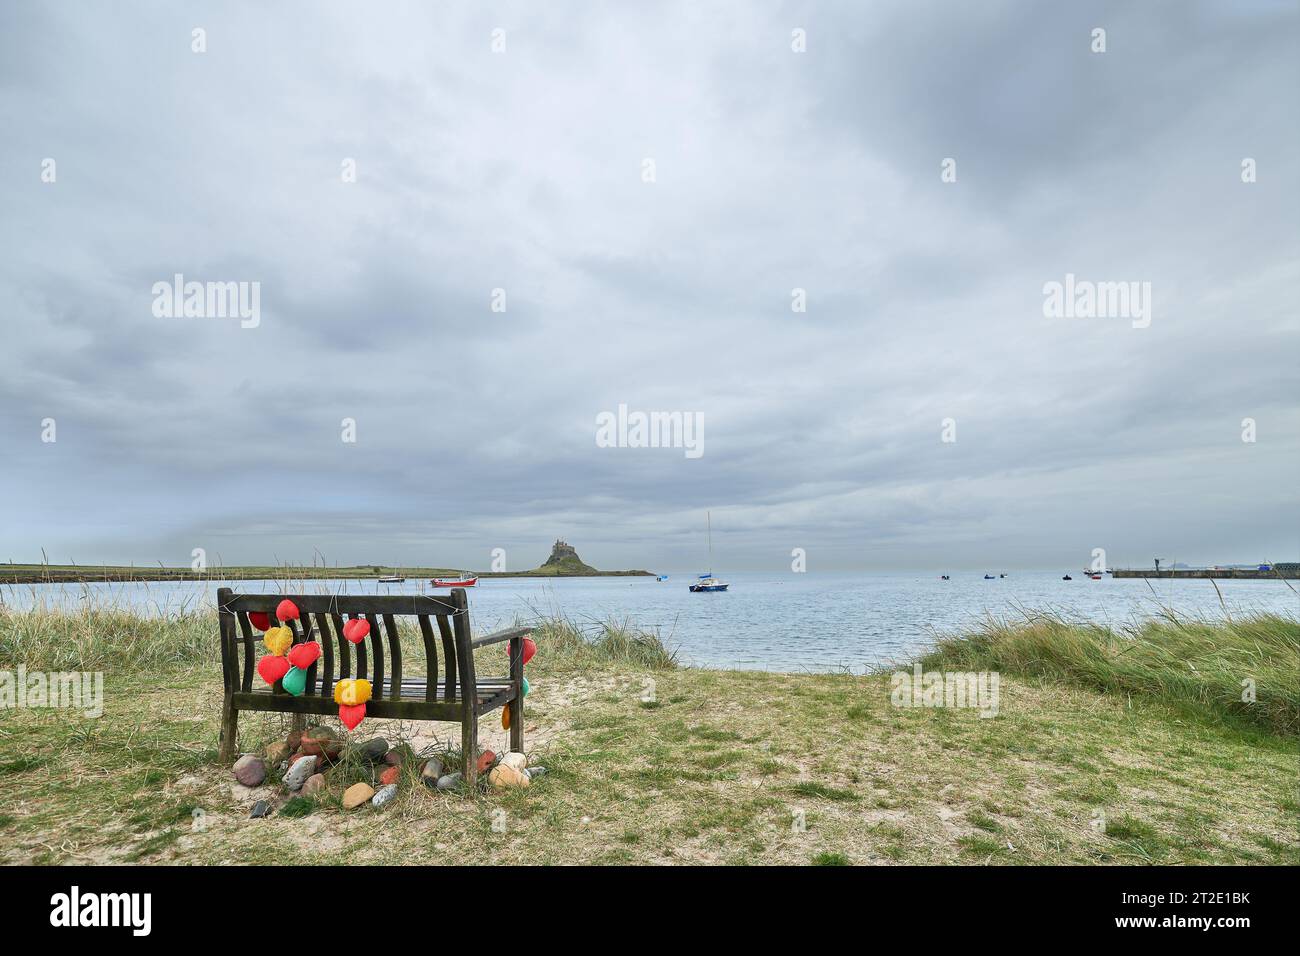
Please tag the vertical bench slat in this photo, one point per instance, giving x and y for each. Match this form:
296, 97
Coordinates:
327, 652
345, 656
394, 657
377, 655
361, 652
229, 655
430, 655
247, 629
448, 657
309, 634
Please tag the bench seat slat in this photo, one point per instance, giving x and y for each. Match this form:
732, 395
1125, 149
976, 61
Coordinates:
412, 705
380, 709
487, 687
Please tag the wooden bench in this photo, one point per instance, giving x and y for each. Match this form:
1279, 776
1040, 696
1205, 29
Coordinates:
454, 693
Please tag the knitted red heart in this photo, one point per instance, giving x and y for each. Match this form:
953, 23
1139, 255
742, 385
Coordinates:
260, 620
302, 656
351, 716
272, 667
356, 630
530, 648
286, 610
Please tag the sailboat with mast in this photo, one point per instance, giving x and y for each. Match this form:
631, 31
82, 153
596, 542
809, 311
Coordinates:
708, 582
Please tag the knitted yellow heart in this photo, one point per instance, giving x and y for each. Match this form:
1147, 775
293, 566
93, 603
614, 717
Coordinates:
278, 640
352, 691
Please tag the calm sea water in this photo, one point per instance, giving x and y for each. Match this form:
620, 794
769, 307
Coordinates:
780, 622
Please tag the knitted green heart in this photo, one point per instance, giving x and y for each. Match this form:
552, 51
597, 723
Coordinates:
294, 682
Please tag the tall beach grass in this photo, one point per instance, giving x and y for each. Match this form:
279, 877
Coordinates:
111, 638
1213, 666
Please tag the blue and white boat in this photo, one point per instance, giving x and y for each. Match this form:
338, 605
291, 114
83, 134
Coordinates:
708, 582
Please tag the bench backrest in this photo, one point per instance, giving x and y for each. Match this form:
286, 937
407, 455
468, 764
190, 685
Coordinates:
322, 619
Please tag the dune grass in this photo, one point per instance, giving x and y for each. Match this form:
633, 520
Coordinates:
118, 639
106, 639
1215, 668
608, 641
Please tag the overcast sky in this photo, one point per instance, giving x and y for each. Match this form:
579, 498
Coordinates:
524, 169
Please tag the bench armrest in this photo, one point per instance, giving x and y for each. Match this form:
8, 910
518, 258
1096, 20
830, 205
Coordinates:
498, 636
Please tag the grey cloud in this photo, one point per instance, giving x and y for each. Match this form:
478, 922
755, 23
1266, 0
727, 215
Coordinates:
775, 170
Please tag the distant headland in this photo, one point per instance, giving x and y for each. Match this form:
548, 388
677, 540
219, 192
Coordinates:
562, 563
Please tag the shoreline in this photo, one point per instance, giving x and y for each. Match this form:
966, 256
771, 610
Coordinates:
121, 574
1226, 574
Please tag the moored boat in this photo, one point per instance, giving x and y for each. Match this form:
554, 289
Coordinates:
708, 582
464, 581
391, 579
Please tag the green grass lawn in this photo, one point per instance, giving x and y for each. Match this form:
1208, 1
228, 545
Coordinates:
711, 767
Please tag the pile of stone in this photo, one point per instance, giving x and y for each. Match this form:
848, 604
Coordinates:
512, 771
307, 756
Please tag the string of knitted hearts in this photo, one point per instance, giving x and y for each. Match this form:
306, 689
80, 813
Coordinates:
284, 664
529, 649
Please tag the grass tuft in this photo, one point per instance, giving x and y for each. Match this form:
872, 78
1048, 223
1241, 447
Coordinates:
298, 807
810, 788
609, 641
830, 859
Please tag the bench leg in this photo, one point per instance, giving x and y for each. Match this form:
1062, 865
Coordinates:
517, 724
469, 747
517, 705
229, 732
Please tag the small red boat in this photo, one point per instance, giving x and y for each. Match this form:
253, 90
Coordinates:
462, 582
